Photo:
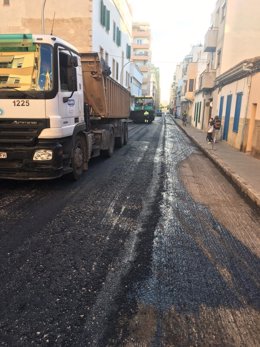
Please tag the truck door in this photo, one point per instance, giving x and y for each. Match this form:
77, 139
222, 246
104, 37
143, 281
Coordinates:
70, 97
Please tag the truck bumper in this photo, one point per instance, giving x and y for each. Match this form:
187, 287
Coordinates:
19, 163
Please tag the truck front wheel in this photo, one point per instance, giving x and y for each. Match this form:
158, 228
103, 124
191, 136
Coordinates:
78, 157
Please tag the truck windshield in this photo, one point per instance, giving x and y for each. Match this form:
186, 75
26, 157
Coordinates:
144, 102
26, 70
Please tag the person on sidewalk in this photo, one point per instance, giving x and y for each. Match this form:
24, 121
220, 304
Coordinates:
184, 118
217, 128
210, 132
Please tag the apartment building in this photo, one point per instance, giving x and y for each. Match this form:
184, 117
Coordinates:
234, 43
103, 26
155, 86
228, 79
187, 80
141, 54
136, 80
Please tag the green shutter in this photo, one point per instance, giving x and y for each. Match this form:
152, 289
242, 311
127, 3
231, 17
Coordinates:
107, 20
118, 37
128, 51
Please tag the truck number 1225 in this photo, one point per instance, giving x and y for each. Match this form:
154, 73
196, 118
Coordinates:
21, 103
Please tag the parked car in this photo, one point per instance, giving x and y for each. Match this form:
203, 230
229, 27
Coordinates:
159, 113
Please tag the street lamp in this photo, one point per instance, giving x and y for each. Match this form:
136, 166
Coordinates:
43, 6
122, 70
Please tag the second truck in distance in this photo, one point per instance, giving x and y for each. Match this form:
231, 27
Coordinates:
143, 110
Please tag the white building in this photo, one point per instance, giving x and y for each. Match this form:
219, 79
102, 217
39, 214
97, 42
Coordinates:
136, 80
103, 26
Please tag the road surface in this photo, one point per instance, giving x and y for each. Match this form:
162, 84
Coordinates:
152, 247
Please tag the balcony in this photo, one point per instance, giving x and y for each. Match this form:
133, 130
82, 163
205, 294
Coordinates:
207, 79
140, 57
141, 46
210, 42
189, 96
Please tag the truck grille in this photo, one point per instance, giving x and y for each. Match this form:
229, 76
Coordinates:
21, 131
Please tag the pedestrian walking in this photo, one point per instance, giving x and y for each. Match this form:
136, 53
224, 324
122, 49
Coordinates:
175, 113
210, 132
217, 128
184, 118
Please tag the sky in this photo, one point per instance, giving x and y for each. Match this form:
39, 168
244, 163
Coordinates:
176, 25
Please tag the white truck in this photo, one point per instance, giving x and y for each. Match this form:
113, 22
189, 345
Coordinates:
58, 108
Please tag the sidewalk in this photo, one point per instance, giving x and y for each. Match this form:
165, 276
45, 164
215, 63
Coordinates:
241, 168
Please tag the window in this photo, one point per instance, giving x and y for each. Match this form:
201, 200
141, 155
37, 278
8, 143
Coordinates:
18, 62
114, 31
223, 11
117, 70
199, 112
191, 85
107, 20
221, 107
104, 16
106, 57
127, 79
237, 112
195, 111
67, 73
101, 51
128, 51
6, 2
218, 57
6, 61
118, 37
3, 79
113, 68
185, 87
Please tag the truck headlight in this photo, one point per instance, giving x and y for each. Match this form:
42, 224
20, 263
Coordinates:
43, 154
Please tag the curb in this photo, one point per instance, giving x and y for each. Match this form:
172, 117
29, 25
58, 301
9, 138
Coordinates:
244, 187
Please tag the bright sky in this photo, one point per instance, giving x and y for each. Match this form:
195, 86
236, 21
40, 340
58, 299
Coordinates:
176, 26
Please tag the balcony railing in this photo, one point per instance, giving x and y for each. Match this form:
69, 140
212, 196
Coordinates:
210, 42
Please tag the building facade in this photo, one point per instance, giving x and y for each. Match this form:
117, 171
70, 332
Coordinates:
141, 54
236, 52
226, 85
103, 26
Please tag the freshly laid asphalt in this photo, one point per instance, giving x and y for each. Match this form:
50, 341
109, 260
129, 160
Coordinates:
241, 168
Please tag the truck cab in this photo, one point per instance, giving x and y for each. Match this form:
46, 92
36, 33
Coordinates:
41, 105
58, 108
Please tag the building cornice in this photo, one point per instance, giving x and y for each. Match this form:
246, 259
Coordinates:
245, 68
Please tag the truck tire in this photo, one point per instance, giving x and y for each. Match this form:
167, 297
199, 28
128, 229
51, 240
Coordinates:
78, 157
107, 153
125, 133
120, 140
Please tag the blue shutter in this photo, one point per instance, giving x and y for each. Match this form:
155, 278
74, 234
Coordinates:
227, 117
221, 107
237, 112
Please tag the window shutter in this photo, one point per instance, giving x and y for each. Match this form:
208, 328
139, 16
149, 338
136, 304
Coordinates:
237, 112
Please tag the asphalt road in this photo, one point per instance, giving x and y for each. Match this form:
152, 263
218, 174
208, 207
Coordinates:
152, 247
